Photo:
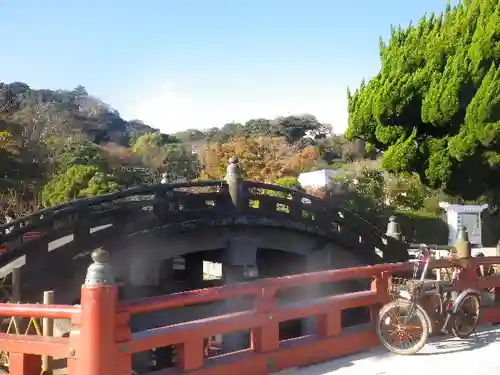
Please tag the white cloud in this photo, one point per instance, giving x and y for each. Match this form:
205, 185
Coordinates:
171, 110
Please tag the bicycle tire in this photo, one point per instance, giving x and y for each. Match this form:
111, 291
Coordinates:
419, 313
454, 326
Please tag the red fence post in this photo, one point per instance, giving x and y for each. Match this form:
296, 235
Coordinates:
99, 301
24, 364
123, 336
379, 285
266, 338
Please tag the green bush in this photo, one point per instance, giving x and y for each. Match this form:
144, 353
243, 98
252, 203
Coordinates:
423, 227
77, 181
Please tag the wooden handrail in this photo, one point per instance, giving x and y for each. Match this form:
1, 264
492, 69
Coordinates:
37, 311
223, 324
32, 344
101, 342
192, 297
326, 310
195, 330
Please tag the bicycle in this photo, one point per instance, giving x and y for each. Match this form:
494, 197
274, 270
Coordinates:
408, 325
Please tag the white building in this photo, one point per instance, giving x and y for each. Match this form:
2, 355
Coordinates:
318, 179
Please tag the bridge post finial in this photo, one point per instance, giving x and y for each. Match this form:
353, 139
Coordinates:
233, 179
100, 272
462, 244
393, 229
98, 321
233, 171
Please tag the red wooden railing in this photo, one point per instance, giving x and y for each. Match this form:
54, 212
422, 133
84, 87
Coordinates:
101, 342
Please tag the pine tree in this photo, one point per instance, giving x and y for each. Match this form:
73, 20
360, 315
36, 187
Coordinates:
434, 107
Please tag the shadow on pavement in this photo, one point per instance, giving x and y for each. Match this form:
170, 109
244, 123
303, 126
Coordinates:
436, 346
482, 339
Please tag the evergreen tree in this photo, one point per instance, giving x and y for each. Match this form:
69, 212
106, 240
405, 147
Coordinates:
434, 107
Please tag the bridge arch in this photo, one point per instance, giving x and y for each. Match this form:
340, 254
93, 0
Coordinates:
58, 238
235, 219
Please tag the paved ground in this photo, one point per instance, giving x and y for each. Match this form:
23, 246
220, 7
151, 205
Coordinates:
478, 356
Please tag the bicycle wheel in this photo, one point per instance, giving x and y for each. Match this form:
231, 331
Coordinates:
466, 318
400, 337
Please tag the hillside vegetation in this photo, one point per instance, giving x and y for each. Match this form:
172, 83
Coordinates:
426, 128
60, 145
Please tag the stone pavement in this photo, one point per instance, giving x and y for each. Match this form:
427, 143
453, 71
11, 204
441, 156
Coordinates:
451, 356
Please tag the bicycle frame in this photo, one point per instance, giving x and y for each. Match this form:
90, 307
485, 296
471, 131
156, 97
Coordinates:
443, 291
423, 257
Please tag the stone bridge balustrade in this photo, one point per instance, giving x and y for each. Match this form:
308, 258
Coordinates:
53, 243
237, 223
191, 205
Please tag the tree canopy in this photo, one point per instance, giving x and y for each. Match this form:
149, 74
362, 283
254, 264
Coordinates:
166, 155
434, 107
262, 158
75, 182
65, 144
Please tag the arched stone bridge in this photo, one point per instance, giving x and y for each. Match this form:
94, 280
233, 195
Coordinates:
251, 228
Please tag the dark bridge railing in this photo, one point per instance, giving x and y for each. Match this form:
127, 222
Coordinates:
189, 205
337, 223
78, 216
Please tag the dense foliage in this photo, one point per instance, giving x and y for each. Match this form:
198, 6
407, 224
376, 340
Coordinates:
60, 145
433, 112
434, 107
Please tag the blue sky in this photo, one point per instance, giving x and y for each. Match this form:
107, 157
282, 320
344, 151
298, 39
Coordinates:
177, 64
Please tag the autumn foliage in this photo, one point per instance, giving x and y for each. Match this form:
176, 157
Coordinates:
262, 158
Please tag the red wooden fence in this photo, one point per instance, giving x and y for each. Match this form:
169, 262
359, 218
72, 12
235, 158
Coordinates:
101, 342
